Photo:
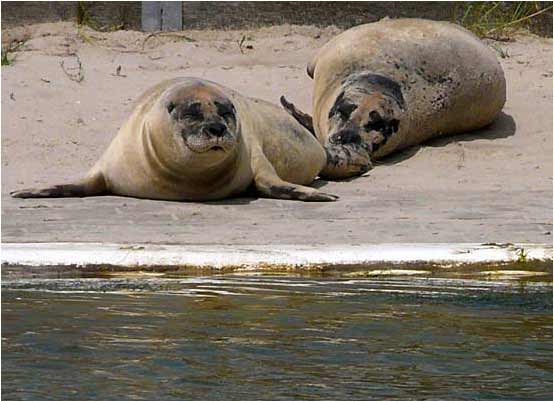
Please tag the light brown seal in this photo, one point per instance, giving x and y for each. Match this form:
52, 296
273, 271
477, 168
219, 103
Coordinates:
388, 85
192, 139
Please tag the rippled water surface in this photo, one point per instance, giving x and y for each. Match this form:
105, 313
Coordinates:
275, 337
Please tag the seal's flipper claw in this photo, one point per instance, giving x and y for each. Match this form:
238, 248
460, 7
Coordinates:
269, 184
32, 193
61, 190
322, 197
289, 191
303, 118
93, 185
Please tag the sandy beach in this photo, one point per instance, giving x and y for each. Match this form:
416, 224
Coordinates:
494, 185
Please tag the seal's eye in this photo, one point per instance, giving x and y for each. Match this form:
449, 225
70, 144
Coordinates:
193, 111
345, 110
170, 107
342, 108
227, 111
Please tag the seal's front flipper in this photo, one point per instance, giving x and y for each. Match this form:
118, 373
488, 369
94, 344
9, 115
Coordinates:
345, 160
303, 118
270, 184
289, 191
92, 185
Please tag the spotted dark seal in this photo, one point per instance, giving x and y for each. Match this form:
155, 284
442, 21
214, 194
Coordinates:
384, 86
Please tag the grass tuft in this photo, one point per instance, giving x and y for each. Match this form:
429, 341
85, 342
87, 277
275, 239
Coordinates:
83, 15
86, 19
499, 19
6, 61
8, 49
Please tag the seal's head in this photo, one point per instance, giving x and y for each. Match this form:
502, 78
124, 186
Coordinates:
367, 110
202, 119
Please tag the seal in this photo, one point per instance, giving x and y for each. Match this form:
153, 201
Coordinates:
190, 139
388, 85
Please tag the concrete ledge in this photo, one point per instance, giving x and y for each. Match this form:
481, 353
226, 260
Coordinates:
266, 256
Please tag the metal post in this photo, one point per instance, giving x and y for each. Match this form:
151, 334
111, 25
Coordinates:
151, 16
162, 16
172, 19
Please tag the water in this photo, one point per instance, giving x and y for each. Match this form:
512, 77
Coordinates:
275, 337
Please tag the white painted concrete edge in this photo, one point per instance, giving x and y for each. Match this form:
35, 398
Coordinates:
221, 256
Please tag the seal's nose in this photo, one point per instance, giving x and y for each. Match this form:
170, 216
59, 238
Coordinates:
216, 129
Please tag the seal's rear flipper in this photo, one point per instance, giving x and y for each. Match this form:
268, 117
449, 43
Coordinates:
301, 117
92, 185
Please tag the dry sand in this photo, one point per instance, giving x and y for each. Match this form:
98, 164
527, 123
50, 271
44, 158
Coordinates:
494, 185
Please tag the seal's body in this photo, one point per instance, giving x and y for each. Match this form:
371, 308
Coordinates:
192, 139
385, 86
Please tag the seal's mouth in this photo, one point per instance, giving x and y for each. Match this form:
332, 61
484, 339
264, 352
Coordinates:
202, 143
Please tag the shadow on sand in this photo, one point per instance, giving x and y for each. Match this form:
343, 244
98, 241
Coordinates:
244, 198
503, 127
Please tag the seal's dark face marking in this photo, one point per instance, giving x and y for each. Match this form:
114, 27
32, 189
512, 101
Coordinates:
342, 108
205, 119
367, 111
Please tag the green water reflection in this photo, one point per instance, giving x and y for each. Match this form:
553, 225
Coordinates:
260, 337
